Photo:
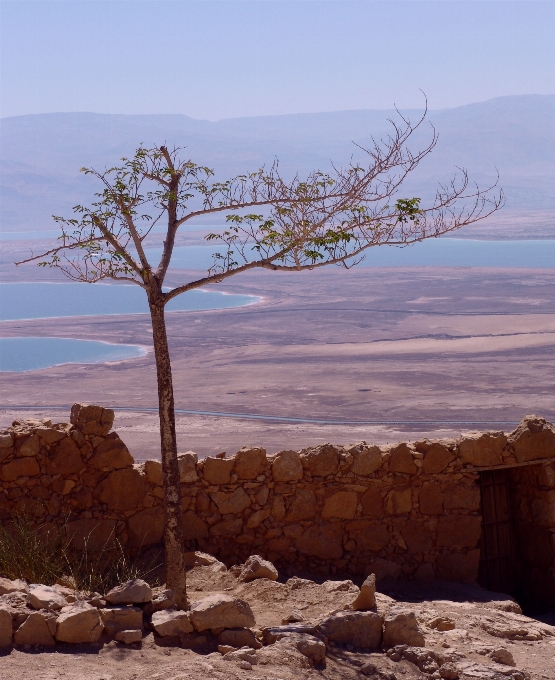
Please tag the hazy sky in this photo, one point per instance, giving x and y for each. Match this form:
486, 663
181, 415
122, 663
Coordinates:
218, 59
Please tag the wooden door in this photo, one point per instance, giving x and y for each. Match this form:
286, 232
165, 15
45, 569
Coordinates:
497, 547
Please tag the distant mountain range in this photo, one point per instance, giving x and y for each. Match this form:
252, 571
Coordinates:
41, 154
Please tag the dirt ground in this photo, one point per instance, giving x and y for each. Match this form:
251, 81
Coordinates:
409, 352
484, 622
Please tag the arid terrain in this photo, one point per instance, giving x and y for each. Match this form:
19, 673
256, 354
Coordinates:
481, 624
406, 352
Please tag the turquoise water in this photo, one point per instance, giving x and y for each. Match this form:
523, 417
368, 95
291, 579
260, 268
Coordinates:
436, 252
47, 300
30, 354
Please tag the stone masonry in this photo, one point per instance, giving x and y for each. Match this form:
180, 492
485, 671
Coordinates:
410, 510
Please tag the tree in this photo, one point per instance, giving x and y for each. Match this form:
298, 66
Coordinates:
271, 223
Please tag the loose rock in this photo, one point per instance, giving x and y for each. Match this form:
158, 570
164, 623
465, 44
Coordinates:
132, 592
366, 599
129, 636
256, 567
401, 628
171, 622
221, 611
79, 623
8, 586
238, 637
46, 597
5, 628
360, 629
37, 629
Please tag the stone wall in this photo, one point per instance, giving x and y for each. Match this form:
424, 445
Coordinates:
408, 510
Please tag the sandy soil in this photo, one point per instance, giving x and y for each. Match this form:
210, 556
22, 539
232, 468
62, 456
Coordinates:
410, 352
483, 623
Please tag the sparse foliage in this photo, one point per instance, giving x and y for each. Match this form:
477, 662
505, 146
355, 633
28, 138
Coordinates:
271, 223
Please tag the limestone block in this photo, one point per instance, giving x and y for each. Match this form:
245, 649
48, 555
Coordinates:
369, 536
122, 489
360, 629
15, 586
384, 569
459, 566
257, 567
256, 519
218, 470
399, 501
417, 537
533, 439
92, 534
401, 460
250, 462
325, 541
129, 636
482, 448
372, 502
230, 527
64, 458
231, 503
238, 637
460, 495
134, 591
366, 460
436, 459
194, 527
35, 630
111, 454
459, 531
5, 628
287, 466
187, 467
342, 505
321, 461
90, 419
401, 628
303, 505
430, 499
30, 446
366, 599
146, 527
221, 611
45, 597
48, 435
20, 467
278, 507
79, 623
121, 618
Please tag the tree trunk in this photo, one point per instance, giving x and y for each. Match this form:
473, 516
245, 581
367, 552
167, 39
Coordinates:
173, 528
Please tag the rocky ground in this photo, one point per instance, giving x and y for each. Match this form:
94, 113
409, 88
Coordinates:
457, 631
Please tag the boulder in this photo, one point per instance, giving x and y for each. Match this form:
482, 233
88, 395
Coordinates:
30, 446
153, 472
482, 448
441, 623
231, 503
303, 506
170, 622
199, 559
256, 567
436, 458
46, 597
309, 646
121, 618
129, 636
91, 419
122, 489
238, 637
401, 628
146, 527
360, 629
402, 460
339, 586
20, 467
341, 505
221, 611
5, 628
533, 439
135, 591
37, 629
367, 459
9, 586
287, 467
64, 458
165, 599
503, 656
250, 462
79, 623
275, 633
321, 461
218, 470
111, 454
366, 599
187, 467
